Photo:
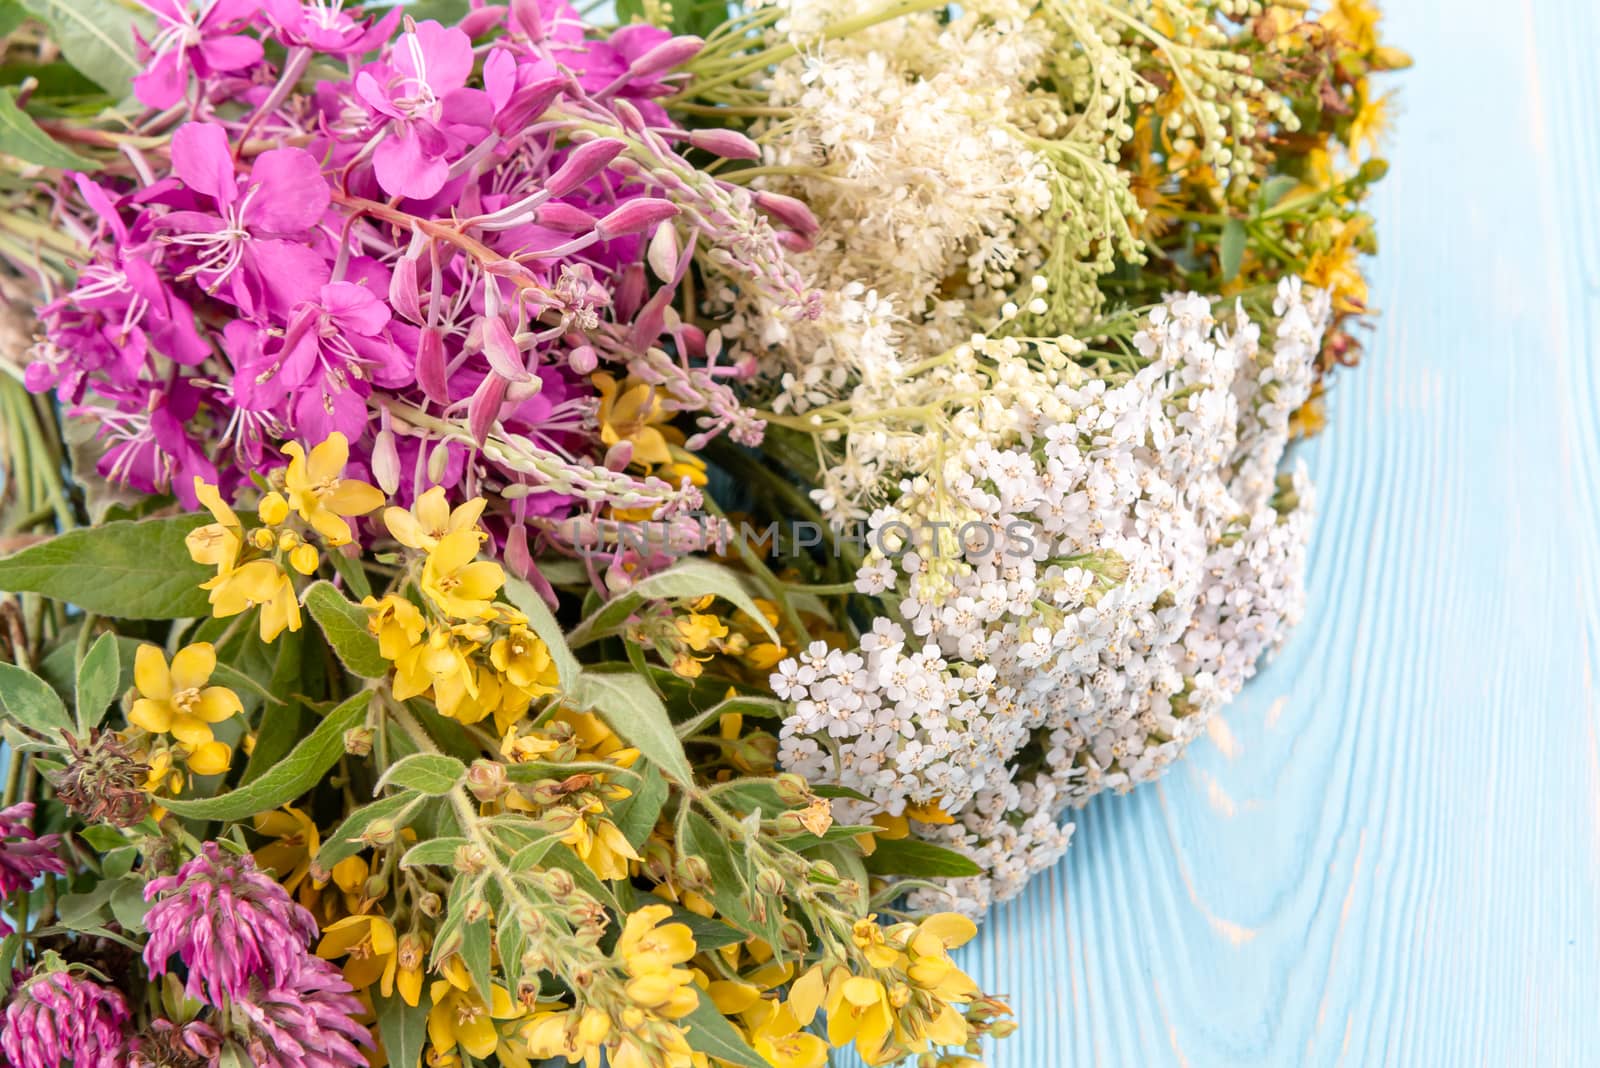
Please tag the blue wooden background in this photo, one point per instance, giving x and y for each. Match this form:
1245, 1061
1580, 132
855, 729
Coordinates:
1387, 853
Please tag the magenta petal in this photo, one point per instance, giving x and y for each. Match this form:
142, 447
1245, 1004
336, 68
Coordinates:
292, 194
446, 56
288, 273
404, 170
230, 53
163, 84
355, 307
200, 157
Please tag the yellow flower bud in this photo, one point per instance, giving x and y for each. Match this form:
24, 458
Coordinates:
273, 509
304, 559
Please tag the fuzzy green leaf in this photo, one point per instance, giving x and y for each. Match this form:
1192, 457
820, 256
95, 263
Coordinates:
403, 1028
525, 599
433, 774
714, 1036
626, 702
125, 570
436, 852
686, 580
97, 681
1231, 250
289, 778
30, 701
345, 626
345, 841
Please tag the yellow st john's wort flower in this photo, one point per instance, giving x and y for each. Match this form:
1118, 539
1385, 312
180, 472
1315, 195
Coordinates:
321, 494
524, 659
461, 1015
457, 581
650, 952
177, 701
776, 1035
370, 947
431, 518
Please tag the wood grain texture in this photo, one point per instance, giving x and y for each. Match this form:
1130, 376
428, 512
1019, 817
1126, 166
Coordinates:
1387, 853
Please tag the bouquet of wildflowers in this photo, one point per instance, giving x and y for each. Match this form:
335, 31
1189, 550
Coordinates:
540, 538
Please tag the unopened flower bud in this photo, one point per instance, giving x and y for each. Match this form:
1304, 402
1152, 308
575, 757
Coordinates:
729, 144
486, 779
562, 217
586, 161
583, 360
430, 904
790, 823
358, 741
432, 373
470, 859
558, 882
273, 509
379, 833
824, 872
787, 210
619, 456
662, 254
263, 539
438, 462
477, 909
386, 461
374, 888
664, 56
793, 937
404, 291
693, 873
638, 214
500, 349
304, 559
792, 789
770, 882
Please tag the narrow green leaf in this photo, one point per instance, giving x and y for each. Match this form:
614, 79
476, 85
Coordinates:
96, 36
525, 599
1231, 252
345, 626
30, 701
433, 774
21, 137
476, 953
436, 852
750, 705
686, 580
129, 569
918, 859
711, 1034
635, 815
345, 841
627, 703
289, 778
236, 680
403, 1028
97, 681
11, 16
1274, 189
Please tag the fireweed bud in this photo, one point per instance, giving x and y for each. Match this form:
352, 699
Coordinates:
358, 741
500, 348
561, 216
665, 56
787, 210
641, 213
619, 456
583, 360
386, 462
486, 779
432, 374
662, 255
586, 161
404, 294
438, 462
729, 144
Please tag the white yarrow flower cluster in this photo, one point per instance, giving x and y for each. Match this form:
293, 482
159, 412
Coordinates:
1074, 589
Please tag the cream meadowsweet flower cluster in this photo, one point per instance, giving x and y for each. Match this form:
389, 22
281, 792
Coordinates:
1074, 593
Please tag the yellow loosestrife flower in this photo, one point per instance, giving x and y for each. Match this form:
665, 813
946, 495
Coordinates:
454, 579
431, 518
319, 492
461, 1016
178, 702
370, 947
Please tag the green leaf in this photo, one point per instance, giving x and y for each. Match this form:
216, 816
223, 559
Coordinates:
436, 852
96, 36
88, 909
918, 859
1274, 189
764, 707
830, 790
345, 626
234, 679
97, 681
686, 580
475, 952
635, 815
525, 599
632, 709
60, 665
11, 16
21, 137
708, 933
125, 570
289, 778
726, 887
103, 838
433, 774
354, 575
345, 841
129, 906
403, 1028
30, 701
711, 1034
1231, 251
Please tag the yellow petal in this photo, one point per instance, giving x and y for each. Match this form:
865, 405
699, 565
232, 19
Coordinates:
950, 928
353, 497
218, 703
327, 460
153, 716
212, 758
405, 529
150, 673
190, 730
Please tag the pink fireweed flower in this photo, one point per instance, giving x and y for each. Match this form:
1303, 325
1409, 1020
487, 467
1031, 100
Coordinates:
324, 365
423, 94
61, 1018
324, 26
231, 925
307, 1022
242, 241
24, 856
206, 42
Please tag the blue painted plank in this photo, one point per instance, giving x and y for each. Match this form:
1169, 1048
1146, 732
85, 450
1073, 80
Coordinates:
1386, 854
